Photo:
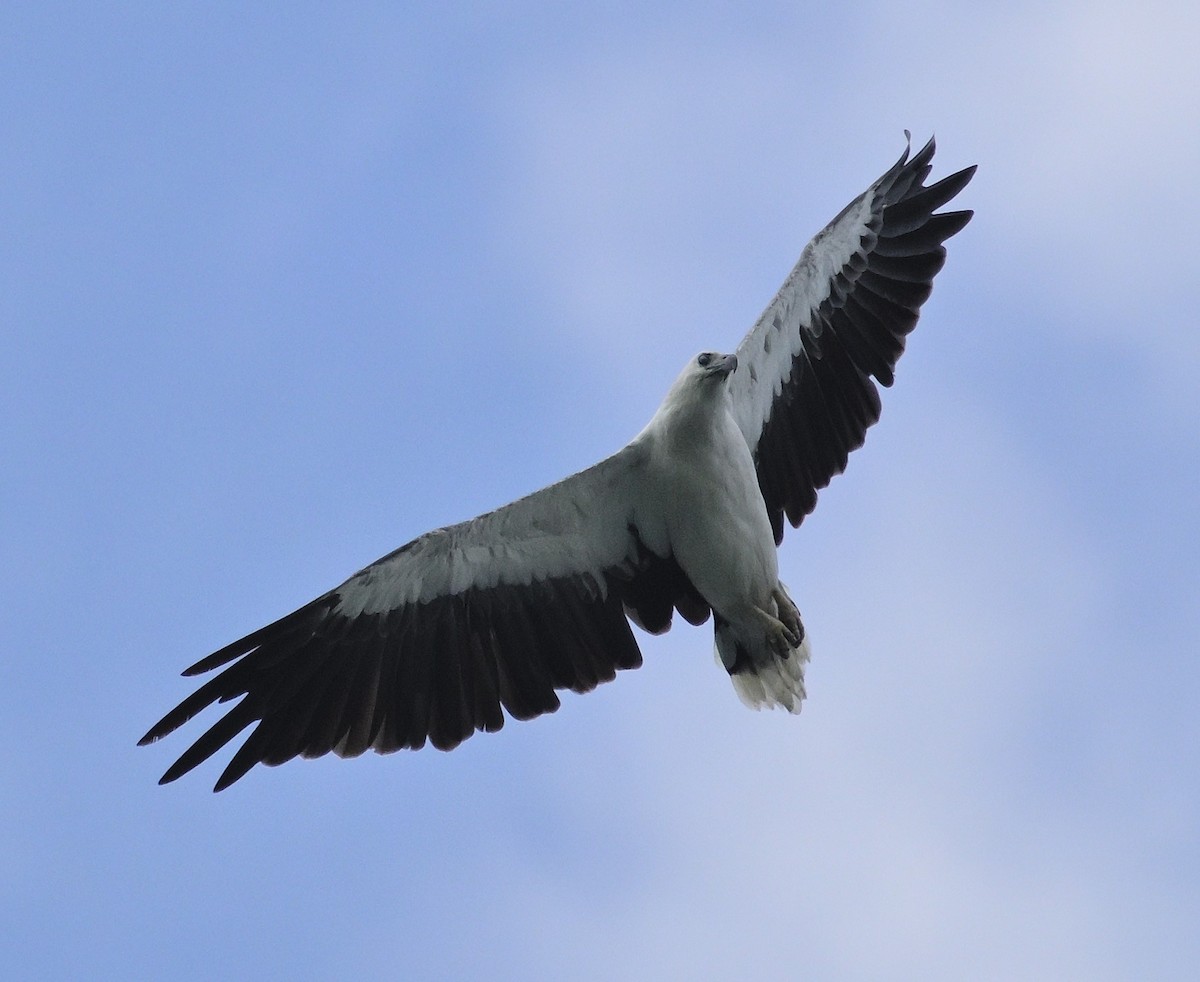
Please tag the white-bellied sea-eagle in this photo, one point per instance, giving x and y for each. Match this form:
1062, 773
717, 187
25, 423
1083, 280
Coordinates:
439, 638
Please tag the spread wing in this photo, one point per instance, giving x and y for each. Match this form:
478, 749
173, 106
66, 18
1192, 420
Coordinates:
432, 640
802, 394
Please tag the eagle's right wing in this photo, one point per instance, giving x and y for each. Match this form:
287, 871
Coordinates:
431, 641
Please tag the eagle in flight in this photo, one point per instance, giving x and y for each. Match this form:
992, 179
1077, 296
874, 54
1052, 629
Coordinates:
439, 638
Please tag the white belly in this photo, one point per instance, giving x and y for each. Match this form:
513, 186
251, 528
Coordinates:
718, 526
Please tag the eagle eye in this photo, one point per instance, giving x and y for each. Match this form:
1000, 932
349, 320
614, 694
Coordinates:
704, 359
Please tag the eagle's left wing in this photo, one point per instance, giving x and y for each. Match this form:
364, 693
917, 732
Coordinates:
802, 394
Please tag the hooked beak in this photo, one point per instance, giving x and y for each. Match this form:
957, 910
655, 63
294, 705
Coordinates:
727, 366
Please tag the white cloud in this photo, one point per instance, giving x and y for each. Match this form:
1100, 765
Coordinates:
1081, 117
662, 189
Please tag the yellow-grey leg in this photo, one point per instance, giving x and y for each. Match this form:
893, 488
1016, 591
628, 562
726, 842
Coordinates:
781, 639
789, 616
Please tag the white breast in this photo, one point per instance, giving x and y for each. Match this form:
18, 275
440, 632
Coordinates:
717, 523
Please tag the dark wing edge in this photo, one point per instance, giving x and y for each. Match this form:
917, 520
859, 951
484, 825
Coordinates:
317, 681
841, 318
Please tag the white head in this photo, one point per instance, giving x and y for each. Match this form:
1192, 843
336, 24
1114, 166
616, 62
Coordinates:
695, 396
706, 372
702, 381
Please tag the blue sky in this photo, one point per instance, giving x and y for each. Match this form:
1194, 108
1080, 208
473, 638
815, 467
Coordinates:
283, 289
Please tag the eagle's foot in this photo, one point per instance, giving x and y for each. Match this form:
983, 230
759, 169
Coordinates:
781, 639
789, 616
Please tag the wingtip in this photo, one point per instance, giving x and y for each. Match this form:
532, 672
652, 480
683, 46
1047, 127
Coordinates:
209, 662
157, 731
182, 766
237, 768
175, 772
910, 159
923, 156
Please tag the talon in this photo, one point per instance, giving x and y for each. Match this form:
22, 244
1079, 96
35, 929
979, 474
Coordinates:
780, 640
789, 616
